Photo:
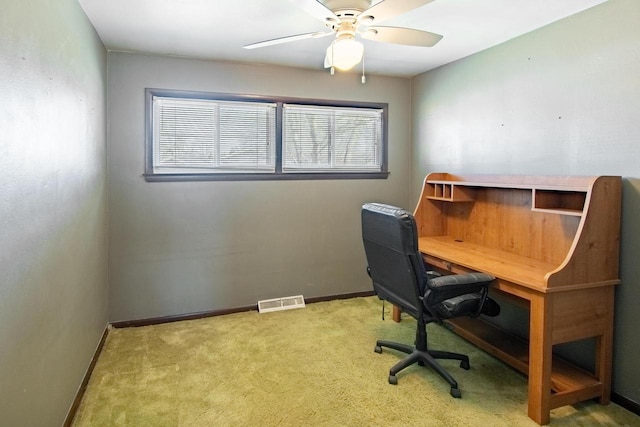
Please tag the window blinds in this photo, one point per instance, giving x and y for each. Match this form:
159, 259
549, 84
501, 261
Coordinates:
229, 136
318, 138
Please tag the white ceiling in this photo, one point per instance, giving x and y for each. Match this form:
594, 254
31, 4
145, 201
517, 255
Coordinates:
217, 29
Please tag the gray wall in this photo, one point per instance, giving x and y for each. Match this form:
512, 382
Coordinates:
53, 236
183, 247
563, 100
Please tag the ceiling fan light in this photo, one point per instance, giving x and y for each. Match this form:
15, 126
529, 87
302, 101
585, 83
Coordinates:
345, 53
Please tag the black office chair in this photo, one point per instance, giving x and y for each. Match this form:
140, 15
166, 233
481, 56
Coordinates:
400, 276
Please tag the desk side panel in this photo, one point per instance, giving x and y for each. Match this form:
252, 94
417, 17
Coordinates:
581, 314
594, 254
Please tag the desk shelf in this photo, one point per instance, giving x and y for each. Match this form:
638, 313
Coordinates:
565, 377
510, 349
562, 199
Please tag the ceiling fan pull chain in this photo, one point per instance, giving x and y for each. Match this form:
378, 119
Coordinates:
364, 79
333, 70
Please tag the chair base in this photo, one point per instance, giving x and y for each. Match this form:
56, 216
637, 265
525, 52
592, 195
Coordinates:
423, 358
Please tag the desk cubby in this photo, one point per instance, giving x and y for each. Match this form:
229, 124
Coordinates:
449, 192
563, 202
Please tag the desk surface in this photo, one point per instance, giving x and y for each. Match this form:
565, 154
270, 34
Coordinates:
517, 269
512, 268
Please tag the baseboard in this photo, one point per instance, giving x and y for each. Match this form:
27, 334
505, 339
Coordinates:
85, 380
339, 296
212, 313
179, 317
626, 403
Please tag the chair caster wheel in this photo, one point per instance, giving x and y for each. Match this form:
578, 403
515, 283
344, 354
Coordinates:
465, 365
455, 392
378, 349
393, 380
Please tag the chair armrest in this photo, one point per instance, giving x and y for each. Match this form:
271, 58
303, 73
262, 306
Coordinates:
462, 281
458, 294
449, 286
432, 274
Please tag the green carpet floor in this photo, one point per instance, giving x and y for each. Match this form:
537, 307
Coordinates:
306, 367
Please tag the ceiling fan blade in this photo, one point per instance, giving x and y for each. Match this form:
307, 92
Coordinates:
288, 39
405, 36
388, 9
317, 9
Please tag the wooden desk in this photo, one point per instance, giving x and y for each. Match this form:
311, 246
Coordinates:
553, 245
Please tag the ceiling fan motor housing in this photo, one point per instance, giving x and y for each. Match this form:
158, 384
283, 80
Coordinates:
346, 10
352, 5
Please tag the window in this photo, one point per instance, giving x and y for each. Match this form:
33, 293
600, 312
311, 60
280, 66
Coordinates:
206, 136
209, 136
332, 139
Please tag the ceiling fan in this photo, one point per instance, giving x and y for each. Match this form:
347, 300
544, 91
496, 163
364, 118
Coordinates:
348, 19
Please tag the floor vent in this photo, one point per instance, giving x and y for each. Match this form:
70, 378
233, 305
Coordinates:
277, 304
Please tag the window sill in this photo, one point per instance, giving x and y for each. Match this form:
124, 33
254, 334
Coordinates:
262, 176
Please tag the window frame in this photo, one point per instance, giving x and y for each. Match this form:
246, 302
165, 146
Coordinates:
278, 174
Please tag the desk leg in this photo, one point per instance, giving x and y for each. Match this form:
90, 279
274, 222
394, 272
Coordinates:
540, 355
396, 314
604, 345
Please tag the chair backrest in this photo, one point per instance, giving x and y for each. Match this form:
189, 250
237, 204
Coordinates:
395, 265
